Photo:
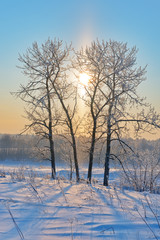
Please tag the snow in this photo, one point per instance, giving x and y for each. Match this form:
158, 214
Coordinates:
47, 209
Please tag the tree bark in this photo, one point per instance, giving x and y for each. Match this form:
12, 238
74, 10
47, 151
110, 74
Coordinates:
107, 158
51, 142
108, 148
91, 153
52, 156
75, 155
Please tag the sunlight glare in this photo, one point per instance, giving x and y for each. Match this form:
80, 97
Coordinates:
84, 79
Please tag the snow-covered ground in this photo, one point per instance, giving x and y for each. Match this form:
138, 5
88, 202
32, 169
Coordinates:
34, 207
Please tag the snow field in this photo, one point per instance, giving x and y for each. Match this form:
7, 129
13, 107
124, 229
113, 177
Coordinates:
45, 209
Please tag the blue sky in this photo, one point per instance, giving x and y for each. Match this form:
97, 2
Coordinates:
24, 21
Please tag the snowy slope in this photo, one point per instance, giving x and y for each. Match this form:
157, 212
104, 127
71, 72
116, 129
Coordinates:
39, 208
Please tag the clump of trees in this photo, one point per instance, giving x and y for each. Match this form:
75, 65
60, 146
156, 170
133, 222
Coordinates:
111, 99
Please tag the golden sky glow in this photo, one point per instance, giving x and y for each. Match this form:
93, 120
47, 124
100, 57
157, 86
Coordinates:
11, 115
79, 22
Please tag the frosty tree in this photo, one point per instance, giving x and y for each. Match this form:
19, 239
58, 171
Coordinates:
48, 92
111, 94
89, 61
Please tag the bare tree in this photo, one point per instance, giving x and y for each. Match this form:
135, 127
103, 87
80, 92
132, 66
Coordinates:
39, 64
114, 79
121, 85
48, 93
90, 61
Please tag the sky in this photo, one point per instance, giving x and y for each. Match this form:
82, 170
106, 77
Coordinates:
22, 22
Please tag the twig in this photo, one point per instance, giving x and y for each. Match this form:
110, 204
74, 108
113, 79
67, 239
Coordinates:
145, 212
62, 190
155, 215
144, 220
12, 217
37, 194
108, 229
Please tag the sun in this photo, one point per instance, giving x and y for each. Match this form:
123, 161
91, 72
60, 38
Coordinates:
84, 79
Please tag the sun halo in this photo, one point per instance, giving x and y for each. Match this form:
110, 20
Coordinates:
84, 79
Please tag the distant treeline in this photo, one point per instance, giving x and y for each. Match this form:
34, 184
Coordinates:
16, 147
30, 147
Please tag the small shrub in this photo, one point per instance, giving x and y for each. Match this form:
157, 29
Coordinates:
2, 173
142, 172
18, 174
32, 175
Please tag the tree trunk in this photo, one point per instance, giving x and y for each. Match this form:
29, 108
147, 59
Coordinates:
71, 168
107, 158
75, 154
91, 153
108, 147
52, 157
51, 143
